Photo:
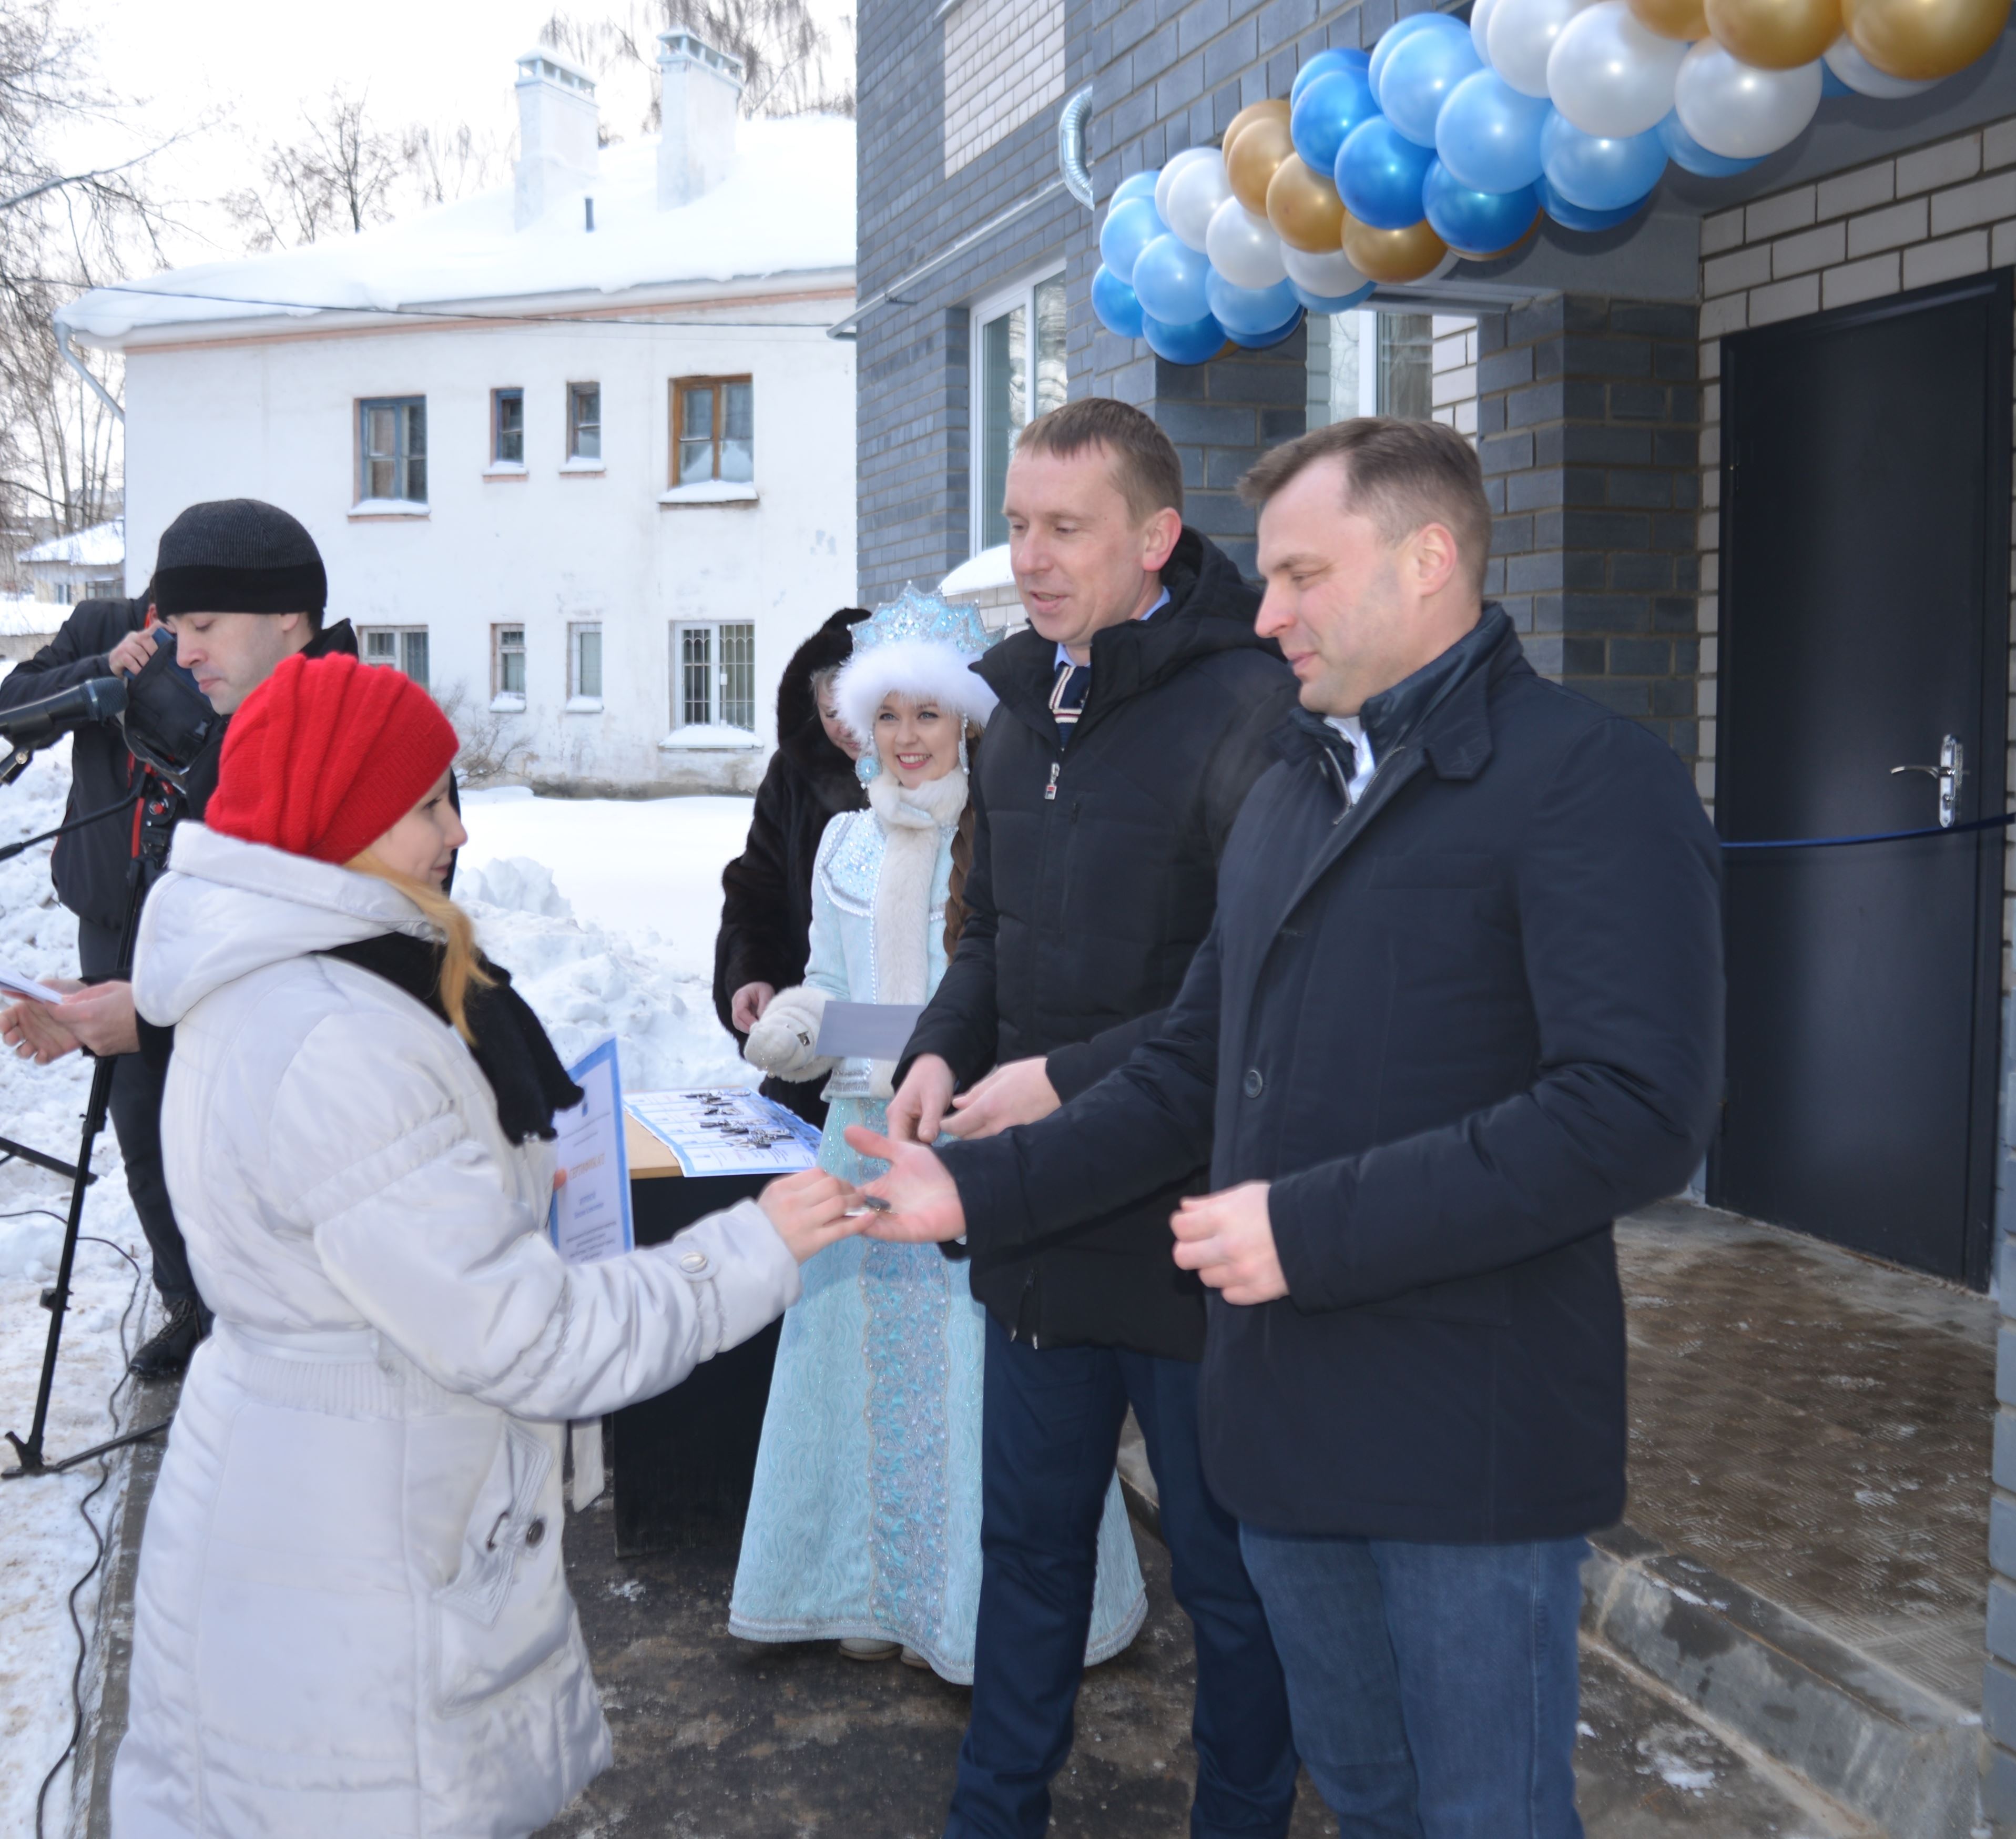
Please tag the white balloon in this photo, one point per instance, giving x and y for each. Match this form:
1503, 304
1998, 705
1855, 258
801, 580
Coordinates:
1244, 248
1741, 112
1330, 275
1480, 25
1200, 189
1863, 78
1166, 184
1521, 33
1610, 76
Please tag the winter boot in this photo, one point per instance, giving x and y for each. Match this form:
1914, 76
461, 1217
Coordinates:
168, 1352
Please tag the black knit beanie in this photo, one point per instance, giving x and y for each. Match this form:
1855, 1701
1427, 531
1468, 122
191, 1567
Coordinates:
236, 554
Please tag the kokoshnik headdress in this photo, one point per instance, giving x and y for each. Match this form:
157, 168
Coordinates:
919, 646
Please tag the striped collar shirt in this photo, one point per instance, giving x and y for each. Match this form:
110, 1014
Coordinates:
1073, 680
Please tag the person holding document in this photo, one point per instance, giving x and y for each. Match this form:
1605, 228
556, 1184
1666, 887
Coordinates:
864, 1521
352, 1613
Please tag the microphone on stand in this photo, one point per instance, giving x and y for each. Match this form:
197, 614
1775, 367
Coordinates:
103, 698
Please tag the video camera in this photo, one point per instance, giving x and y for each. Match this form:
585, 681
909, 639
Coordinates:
166, 720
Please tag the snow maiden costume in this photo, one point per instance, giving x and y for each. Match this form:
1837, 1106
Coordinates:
352, 1615
864, 1521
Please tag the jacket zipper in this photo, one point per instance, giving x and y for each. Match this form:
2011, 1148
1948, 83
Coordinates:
1050, 791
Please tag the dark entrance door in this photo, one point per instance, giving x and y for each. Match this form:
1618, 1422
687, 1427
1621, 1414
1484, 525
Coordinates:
1865, 590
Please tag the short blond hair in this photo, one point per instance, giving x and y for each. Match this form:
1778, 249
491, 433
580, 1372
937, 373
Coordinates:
1400, 474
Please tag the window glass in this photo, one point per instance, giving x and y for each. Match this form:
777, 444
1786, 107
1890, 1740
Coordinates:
1406, 345
1050, 382
737, 685
696, 688
394, 450
583, 421
413, 656
738, 432
696, 433
509, 447
381, 648
588, 660
511, 661
1004, 396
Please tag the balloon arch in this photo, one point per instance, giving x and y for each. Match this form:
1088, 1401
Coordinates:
1448, 141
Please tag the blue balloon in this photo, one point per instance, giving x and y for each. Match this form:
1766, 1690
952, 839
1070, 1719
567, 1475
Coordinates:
1136, 185
1117, 304
1474, 222
1130, 226
1340, 302
1690, 156
1392, 39
1193, 344
1489, 135
1323, 64
1259, 341
1419, 76
1830, 84
1169, 276
1379, 172
1328, 109
1595, 172
1572, 217
1244, 311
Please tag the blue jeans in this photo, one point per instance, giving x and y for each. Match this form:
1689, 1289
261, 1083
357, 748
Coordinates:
1434, 1687
1050, 1428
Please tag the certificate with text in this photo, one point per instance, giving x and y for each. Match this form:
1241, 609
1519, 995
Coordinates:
590, 1216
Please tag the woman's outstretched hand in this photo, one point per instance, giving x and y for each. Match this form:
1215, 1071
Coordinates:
810, 1210
924, 1201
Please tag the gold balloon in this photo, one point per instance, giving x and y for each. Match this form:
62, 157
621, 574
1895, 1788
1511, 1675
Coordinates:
1255, 157
1393, 255
1774, 34
1252, 112
1304, 208
1671, 19
1923, 39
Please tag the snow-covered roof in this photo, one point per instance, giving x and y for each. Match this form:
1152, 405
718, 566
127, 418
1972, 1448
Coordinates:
31, 619
786, 207
103, 545
991, 568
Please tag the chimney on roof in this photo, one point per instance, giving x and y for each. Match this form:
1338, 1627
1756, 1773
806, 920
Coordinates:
699, 90
557, 132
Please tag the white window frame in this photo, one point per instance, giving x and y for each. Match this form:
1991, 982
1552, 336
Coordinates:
715, 731
991, 307
581, 700
502, 701
401, 637
576, 462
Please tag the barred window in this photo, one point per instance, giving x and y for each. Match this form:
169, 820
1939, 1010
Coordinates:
714, 675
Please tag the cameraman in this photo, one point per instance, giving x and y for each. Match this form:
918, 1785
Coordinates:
240, 585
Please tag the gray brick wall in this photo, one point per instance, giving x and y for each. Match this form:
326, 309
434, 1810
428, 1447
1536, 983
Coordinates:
1588, 418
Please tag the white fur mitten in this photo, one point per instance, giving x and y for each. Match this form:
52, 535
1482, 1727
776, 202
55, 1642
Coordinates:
785, 1040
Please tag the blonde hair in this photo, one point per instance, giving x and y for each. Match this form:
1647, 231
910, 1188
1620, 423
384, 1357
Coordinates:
460, 965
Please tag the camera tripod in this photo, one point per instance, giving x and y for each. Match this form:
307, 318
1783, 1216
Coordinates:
30, 1459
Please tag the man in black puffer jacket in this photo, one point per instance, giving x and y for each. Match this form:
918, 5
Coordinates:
1135, 715
766, 913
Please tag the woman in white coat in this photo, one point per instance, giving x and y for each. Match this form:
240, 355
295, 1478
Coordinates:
351, 1615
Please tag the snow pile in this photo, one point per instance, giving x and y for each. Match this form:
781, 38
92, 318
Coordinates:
787, 206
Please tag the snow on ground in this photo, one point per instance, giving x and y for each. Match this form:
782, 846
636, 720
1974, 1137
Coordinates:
604, 911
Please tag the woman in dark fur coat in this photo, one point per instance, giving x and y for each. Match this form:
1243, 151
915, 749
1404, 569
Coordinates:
766, 917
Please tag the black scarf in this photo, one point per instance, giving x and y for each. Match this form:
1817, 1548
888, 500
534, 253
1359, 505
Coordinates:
524, 1072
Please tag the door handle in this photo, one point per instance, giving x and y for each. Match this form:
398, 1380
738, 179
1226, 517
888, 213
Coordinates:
1950, 771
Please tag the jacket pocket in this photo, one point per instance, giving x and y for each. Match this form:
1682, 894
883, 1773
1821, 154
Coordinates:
506, 1609
1481, 1301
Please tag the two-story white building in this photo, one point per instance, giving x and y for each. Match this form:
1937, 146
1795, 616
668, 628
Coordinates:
578, 455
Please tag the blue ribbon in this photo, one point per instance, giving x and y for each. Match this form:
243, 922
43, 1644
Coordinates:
1979, 823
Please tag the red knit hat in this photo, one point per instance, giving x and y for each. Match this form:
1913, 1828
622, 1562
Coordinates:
327, 755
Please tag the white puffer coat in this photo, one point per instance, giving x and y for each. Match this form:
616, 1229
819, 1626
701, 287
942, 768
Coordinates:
352, 1616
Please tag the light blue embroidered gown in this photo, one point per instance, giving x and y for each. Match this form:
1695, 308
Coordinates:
864, 1519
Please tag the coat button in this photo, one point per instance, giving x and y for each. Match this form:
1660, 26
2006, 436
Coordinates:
692, 1261
1254, 1083
535, 1532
